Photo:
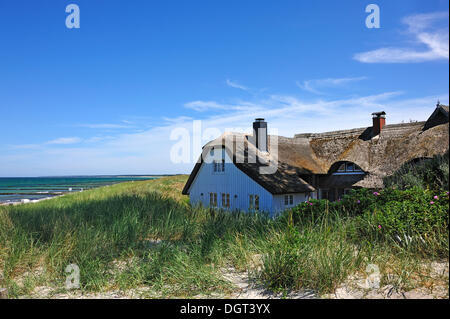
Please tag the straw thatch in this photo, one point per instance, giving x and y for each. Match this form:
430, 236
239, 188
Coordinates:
317, 155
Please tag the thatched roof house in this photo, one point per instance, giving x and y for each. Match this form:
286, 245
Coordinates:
328, 164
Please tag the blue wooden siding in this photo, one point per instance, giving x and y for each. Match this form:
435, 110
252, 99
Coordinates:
234, 182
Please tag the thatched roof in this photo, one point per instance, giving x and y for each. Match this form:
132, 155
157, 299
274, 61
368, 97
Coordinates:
439, 116
378, 156
308, 154
285, 179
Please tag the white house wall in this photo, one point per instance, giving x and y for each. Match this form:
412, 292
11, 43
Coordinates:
278, 201
233, 181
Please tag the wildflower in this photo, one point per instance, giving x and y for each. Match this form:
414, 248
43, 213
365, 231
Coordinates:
358, 201
379, 226
376, 193
310, 203
436, 197
447, 193
431, 202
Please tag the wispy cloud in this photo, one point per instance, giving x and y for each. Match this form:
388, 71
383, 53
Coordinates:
64, 141
249, 90
202, 106
178, 119
313, 86
149, 151
107, 125
424, 29
236, 85
96, 139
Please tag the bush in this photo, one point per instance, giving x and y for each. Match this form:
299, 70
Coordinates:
428, 174
413, 211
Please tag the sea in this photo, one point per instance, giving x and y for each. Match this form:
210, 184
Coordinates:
22, 189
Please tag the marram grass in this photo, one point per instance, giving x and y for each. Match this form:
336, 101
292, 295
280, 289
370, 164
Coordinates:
145, 234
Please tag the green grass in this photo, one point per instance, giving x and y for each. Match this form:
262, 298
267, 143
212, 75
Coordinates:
145, 234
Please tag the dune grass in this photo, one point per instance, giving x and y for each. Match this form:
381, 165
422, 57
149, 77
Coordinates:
145, 234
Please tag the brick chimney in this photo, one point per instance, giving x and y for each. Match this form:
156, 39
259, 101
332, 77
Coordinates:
379, 121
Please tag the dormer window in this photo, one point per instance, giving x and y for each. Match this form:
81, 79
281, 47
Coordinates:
219, 165
348, 168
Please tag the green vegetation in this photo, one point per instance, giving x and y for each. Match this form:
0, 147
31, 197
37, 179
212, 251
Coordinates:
426, 173
327, 242
140, 234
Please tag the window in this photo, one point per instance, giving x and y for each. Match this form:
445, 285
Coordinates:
254, 202
288, 200
213, 199
349, 167
225, 200
219, 165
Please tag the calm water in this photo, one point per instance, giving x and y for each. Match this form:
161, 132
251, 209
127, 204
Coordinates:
14, 189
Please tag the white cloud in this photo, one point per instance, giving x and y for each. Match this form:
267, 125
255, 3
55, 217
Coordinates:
64, 141
106, 125
236, 85
423, 27
96, 139
25, 146
148, 152
179, 119
313, 85
202, 106
419, 22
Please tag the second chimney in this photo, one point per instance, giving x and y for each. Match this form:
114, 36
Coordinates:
379, 121
260, 134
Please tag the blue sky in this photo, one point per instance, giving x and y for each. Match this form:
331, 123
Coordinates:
104, 98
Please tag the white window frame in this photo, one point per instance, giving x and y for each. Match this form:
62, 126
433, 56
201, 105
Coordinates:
219, 166
289, 198
355, 171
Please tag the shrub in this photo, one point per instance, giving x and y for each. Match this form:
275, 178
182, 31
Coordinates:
398, 212
428, 174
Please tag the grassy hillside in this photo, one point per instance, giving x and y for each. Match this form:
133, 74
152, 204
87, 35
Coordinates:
145, 234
